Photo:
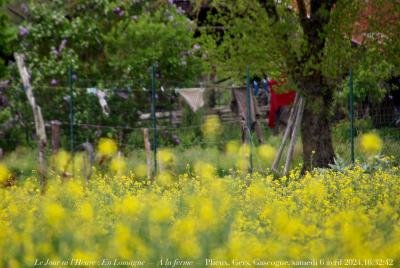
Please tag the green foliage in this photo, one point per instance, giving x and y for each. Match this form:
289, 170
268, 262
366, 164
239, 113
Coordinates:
251, 37
341, 130
311, 45
7, 36
368, 81
110, 44
5, 114
163, 38
107, 40
246, 40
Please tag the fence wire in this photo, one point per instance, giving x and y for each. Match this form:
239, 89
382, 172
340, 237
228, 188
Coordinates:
176, 132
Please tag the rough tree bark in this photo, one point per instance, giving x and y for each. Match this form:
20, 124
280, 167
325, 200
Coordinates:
316, 132
315, 126
37, 115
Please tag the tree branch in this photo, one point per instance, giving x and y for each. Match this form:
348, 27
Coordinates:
272, 12
315, 26
302, 8
16, 13
302, 13
316, 5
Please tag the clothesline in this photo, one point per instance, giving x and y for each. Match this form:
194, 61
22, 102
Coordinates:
133, 87
140, 128
143, 89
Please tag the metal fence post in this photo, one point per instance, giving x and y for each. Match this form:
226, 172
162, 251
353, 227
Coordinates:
249, 119
153, 117
351, 110
71, 116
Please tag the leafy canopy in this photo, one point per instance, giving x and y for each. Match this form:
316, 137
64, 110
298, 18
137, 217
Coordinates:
252, 35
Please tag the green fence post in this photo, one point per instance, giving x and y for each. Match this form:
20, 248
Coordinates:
351, 108
153, 117
248, 106
71, 115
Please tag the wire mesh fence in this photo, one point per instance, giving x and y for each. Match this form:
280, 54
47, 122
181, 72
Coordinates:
185, 132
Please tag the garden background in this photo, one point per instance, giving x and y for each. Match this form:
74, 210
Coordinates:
125, 158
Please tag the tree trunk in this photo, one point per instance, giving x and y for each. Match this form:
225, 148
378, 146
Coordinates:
316, 133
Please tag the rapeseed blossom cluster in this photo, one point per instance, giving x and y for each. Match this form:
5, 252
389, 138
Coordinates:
118, 164
211, 127
4, 173
326, 214
108, 150
232, 147
61, 160
266, 152
235, 152
371, 143
140, 170
166, 162
166, 158
107, 147
205, 170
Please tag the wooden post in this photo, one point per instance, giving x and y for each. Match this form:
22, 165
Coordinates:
55, 135
288, 130
299, 116
37, 115
147, 147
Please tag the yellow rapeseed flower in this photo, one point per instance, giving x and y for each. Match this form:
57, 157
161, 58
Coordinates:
161, 212
232, 147
232, 220
242, 164
266, 152
122, 240
87, 258
118, 165
107, 147
61, 160
4, 173
244, 150
205, 170
140, 170
207, 215
371, 143
122, 233
74, 189
166, 157
80, 163
129, 206
165, 178
189, 248
86, 211
211, 127
54, 213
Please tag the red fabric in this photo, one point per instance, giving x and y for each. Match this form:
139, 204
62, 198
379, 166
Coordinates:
277, 100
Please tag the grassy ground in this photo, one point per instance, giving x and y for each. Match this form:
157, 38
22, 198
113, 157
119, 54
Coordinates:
214, 151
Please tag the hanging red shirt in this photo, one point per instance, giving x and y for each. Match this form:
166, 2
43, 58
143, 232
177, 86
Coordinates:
278, 100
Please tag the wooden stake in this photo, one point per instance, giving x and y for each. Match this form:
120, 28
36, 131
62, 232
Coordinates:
147, 147
295, 130
288, 129
37, 115
55, 135
88, 147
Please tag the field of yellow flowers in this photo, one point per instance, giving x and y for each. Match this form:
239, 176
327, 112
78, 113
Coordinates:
327, 218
